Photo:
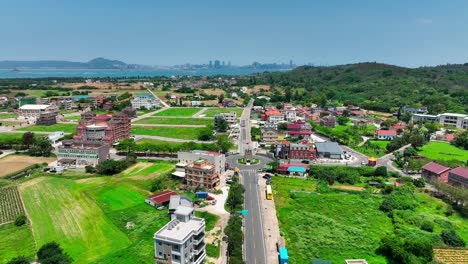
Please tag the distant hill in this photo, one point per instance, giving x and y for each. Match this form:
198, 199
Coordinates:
377, 86
98, 63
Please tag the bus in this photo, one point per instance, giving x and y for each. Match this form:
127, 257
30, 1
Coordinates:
269, 193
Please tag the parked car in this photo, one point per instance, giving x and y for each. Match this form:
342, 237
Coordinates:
305, 161
214, 202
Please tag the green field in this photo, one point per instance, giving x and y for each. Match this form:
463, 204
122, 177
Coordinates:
373, 148
144, 169
443, 151
190, 133
179, 112
381, 143
12, 138
16, 241
336, 226
175, 121
8, 115
67, 128
211, 112
64, 112
72, 118
10, 123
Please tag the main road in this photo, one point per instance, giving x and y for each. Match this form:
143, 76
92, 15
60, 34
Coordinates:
254, 244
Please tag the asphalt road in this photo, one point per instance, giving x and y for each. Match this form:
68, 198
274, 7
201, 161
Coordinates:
254, 244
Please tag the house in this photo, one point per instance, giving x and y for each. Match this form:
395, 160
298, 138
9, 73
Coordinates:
386, 134
268, 136
179, 200
434, 170
293, 169
329, 150
243, 89
273, 115
195, 103
414, 110
286, 150
160, 199
201, 173
234, 95
228, 103
458, 177
397, 127
182, 240
328, 121
299, 129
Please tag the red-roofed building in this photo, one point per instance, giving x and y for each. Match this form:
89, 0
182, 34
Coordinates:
283, 168
397, 127
273, 115
386, 134
109, 128
458, 177
434, 170
160, 199
286, 150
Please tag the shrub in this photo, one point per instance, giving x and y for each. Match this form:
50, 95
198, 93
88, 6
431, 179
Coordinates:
401, 199
427, 226
451, 238
90, 169
20, 220
52, 253
381, 171
19, 260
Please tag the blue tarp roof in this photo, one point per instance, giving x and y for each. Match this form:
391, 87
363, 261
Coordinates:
145, 95
78, 97
296, 169
283, 252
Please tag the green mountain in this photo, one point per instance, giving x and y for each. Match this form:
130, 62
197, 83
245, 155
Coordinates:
376, 86
98, 63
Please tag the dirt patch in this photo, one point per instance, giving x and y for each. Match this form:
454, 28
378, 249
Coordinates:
13, 163
349, 188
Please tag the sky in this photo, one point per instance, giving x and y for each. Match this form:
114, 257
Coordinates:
167, 32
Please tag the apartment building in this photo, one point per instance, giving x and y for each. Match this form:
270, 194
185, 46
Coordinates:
109, 128
34, 111
268, 136
287, 150
182, 240
446, 119
47, 118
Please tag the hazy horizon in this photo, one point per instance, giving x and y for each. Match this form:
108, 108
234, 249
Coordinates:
419, 33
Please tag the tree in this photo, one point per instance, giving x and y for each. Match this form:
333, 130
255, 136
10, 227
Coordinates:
28, 139
52, 253
20, 220
90, 169
451, 238
19, 260
222, 125
206, 134
287, 94
342, 120
427, 226
460, 139
156, 185
416, 140
224, 143
41, 148
409, 152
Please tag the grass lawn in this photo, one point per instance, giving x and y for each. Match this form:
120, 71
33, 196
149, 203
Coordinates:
72, 118
210, 219
61, 211
381, 143
179, 112
64, 112
16, 241
67, 128
373, 148
329, 226
175, 121
8, 115
12, 138
211, 112
145, 169
443, 151
212, 250
190, 133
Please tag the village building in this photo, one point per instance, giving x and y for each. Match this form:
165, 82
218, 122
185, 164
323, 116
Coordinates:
293, 169
34, 111
328, 121
386, 134
458, 177
160, 199
201, 173
268, 136
108, 128
145, 100
287, 150
434, 170
47, 118
78, 153
329, 150
216, 158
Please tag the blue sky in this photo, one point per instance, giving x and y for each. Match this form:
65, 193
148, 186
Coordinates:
158, 32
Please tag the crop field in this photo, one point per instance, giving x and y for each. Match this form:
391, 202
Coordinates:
16, 241
67, 128
179, 112
10, 123
8, 115
451, 255
145, 169
443, 151
13, 163
10, 204
175, 121
61, 211
189, 133
211, 112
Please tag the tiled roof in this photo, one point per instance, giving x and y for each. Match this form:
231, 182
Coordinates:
435, 167
162, 197
386, 133
460, 171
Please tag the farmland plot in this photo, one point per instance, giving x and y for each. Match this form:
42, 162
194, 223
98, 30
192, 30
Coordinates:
10, 204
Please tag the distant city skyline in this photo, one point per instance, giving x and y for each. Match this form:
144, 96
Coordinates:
405, 33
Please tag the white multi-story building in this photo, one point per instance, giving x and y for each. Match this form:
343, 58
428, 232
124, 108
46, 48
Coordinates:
445, 119
182, 240
215, 158
144, 100
34, 111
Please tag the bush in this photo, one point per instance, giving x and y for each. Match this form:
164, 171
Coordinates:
420, 183
427, 226
52, 253
90, 169
20, 220
381, 171
19, 260
401, 199
156, 185
451, 238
